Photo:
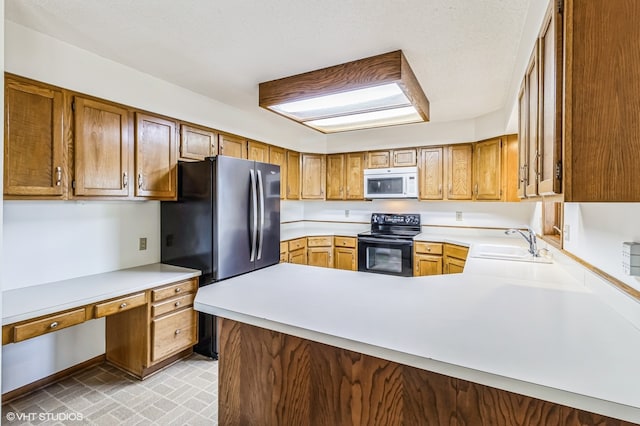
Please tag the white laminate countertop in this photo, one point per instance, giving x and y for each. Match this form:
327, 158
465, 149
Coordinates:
31, 302
523, 327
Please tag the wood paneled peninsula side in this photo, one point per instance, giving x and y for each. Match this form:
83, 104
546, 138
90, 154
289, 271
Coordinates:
500, 344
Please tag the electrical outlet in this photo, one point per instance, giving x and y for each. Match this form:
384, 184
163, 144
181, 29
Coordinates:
459, 216
567, 233
142, 245
346, 213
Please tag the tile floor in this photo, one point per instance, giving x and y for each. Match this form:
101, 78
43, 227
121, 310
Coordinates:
185, 393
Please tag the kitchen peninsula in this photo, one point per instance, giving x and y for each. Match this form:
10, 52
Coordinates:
302, 345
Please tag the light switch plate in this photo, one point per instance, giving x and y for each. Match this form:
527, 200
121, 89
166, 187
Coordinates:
142, 244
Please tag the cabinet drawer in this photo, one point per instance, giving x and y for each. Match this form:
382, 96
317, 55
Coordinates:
345, 242
456, 251
428, 248
284, 247
166, 292
48, 324
319, 242
172, 333
119, 305
297, 244
173, 304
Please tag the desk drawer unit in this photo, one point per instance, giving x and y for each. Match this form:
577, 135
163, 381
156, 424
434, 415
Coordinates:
172, 333
48, 324
119, 305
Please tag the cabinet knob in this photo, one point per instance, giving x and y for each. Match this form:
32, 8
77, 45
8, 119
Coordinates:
177, 304
53, 324
178, 331
178, 290
123, 305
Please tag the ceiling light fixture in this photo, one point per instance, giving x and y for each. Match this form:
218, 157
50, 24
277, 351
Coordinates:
371, 92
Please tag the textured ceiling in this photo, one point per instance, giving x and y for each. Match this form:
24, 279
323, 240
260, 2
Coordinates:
463, 52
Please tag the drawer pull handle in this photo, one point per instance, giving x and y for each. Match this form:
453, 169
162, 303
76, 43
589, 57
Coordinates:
123, 305
178, 290
53, 324
178, 331
177, 304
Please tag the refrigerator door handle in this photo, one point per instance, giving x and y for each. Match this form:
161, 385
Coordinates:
261, 196
254, 219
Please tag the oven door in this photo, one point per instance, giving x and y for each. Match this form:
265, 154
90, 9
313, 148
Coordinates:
382, 256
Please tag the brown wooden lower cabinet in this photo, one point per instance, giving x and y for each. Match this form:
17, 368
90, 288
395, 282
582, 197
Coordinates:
454, 258
271, 378
148, 337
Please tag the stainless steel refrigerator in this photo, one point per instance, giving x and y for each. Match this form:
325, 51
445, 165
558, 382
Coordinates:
226, 222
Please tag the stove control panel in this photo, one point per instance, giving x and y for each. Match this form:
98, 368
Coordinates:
395, 219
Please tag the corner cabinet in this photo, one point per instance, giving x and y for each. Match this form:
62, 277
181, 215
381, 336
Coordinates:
459, 172
102, 149
34, 145
156, 163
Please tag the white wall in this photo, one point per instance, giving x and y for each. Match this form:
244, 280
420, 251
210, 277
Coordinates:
597, 231
474, 214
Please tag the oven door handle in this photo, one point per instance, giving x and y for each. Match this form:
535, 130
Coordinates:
385, 241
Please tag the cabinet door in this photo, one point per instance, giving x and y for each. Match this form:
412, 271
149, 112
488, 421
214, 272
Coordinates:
101, 148
34, 157
549, 181
459, 172
523, 140
531, 90
232, 146
404, 157
346, 258
320, 256
278, 157
313, 176
293, 175
197, 143
379, 159
172, 333
487, 170
258, 151
453, 265
156, 164
298, 256
430, 169
354, 175
425, 264
335, 177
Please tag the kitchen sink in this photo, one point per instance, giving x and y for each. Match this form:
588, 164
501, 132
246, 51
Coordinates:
506, 252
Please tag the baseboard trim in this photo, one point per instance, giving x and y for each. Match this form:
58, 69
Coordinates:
56, 377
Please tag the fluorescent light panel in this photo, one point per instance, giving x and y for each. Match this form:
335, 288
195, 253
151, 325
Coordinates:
371, 92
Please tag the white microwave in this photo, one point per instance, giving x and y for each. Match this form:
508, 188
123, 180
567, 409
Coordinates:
397, 182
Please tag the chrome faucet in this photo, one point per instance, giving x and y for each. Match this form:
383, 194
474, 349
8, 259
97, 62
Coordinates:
531, 239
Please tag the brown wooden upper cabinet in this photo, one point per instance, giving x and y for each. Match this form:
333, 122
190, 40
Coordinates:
34, 144
431, 173
313, 176
293, 175
102, 149
196, 143
156, 163
232, 146
278, 157
258, 151
487, 170
531, 94
459, 172
404, 157
392, 158
345, 176
378, 159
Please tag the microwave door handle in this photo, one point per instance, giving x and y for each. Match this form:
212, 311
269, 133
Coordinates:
261, 197
254, 219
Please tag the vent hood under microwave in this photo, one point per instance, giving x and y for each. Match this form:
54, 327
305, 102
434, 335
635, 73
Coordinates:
397, 182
